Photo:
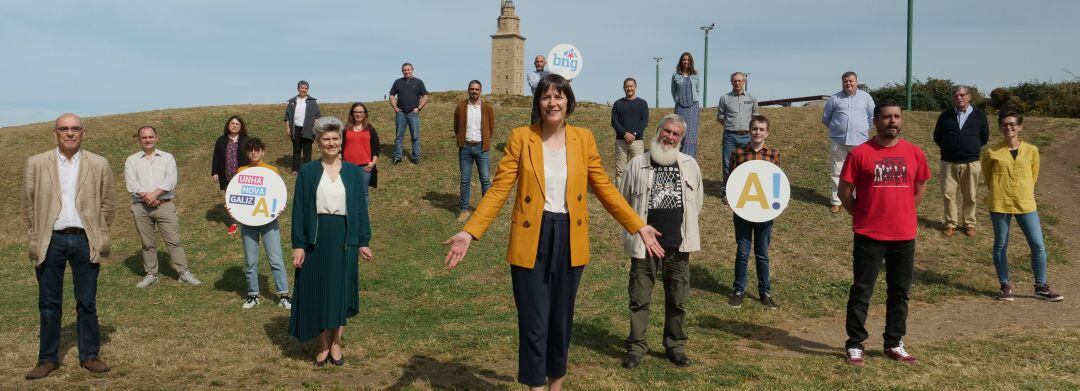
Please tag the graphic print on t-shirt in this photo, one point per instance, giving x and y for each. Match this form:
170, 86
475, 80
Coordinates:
891, 172
666, 188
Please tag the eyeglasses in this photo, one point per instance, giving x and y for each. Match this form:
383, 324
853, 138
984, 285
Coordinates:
69, 129
359, 112
1010, 125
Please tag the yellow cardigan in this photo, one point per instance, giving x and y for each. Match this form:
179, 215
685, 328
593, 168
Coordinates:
1011, 183
523, 162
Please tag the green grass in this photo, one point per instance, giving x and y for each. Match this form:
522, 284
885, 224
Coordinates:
421, 326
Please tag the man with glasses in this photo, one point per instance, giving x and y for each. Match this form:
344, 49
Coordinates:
734, 112
67, 206
473, 122
961, 132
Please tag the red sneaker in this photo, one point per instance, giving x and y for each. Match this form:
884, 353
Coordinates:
898, 353
232, 229
855, 356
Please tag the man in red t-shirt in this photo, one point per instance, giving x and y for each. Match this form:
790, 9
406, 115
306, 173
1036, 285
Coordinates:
882, 182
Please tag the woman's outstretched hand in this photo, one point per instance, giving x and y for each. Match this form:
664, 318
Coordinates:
459, 245
648, 234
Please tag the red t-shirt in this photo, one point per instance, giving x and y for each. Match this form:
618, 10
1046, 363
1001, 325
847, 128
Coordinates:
884, 179
357, 147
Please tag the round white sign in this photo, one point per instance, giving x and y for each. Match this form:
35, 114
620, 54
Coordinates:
256, 196
758, 191
565, 60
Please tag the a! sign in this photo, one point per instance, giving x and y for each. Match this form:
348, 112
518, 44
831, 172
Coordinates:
758, 191
565, 60
256, 196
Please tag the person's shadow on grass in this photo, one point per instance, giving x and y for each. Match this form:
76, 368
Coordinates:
277, 331
449, 375
234, 280
768, 335
134, 263
441, 200
69, 339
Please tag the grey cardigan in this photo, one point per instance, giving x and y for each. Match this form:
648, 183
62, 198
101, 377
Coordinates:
311, 112
678, 83
635, 185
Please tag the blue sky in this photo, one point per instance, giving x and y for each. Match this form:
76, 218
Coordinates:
109, 57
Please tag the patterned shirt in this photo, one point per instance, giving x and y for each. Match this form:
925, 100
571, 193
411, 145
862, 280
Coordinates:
744, 154
666, 204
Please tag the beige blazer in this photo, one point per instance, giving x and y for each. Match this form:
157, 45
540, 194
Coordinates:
635, 185
94, 202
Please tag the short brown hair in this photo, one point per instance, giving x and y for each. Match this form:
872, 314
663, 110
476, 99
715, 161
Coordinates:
561, 85
760, 119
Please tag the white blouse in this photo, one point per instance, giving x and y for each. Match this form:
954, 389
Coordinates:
330, 196
554, 179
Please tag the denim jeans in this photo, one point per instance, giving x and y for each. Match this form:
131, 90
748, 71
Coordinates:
412, 119
732, 141
1029, 224
466, 156
73, 250
271, 239
759, 234
365, 181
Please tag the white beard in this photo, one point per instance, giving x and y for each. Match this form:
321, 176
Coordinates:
663, 155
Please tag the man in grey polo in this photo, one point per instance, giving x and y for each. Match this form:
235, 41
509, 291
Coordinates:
150, 176
734, 112
848, 115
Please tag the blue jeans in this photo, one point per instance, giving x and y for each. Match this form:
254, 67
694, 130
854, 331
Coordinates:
1029, 224
466, 156
271, 238
759, 233
365, 182
732, 141
412, 119
73, 250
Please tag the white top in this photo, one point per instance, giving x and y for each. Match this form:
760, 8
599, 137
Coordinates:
554, 179
144, 174
69, 181
330, 196
472, 122
300, 111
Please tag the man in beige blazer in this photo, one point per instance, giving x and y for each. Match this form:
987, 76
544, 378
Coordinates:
67, 205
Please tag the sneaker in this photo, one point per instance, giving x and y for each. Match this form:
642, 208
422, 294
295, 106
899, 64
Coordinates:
251, 301
767, 301
1005, 294
463, 216
150, 279
232, 229
855, 356
898, 353
189, 278
1044, 292
735, 300
395, 161
285, 302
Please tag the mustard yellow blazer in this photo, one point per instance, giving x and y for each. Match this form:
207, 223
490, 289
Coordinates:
523, 162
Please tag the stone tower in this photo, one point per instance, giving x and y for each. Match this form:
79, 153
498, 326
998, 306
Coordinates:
508, 54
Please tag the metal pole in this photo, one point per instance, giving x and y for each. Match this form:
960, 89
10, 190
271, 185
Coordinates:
910, 16
657, 101
705, 83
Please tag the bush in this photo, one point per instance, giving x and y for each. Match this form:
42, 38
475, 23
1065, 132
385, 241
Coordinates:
930, 95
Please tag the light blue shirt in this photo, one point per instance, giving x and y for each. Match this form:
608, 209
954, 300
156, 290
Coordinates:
849, 117
962, 116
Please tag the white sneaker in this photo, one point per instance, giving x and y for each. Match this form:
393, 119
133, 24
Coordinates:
150, 279
251, 301
189, 278
285, 302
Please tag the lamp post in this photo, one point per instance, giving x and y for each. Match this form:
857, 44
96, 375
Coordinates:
910, 15
657, 104
705, 88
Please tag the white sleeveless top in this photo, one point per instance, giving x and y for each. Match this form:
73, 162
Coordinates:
554, 179
330, 196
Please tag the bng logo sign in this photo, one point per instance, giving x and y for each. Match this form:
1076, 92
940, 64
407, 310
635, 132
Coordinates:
565, 60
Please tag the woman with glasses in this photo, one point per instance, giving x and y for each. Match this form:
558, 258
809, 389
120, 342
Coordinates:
360, 145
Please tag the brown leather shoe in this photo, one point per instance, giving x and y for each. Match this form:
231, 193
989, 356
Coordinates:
969, 231
42, 370
95, 365
949, 232
463, 216
834, 209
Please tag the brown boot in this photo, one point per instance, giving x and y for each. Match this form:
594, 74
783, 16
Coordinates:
95, 365
42, 370
949, 232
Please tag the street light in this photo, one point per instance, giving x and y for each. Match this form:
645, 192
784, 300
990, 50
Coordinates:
657, 104
705, 89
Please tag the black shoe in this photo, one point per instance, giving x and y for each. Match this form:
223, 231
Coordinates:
631, 361
767, 301
679, 359
319, 363
337, 362
416, 161
735, 300
395, 161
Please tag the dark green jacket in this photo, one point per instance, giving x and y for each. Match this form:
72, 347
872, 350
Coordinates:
305, 222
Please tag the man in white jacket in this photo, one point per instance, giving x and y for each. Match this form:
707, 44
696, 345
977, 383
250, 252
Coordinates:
664, 187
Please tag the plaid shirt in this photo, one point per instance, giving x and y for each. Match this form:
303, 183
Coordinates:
744, 154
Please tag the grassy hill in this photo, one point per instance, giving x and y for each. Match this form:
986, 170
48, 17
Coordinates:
421, 326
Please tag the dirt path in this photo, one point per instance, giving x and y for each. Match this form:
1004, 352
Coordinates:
1059, 183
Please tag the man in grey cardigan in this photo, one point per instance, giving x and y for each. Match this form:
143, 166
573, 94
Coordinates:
663, 186
300, 114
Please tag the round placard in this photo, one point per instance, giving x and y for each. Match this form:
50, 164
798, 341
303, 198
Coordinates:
758, 191
565, 60
256, 196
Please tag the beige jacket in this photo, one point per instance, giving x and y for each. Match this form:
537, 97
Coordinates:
635, 185
93, 201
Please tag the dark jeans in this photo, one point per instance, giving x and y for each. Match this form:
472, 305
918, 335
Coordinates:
545, 296
301, 148
412, 119
759, 234
467, 155
675, 266
63, 249
899, 257
730, 142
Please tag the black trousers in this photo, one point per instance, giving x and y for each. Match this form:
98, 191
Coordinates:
301, 148
75, 250
899, 257
544, 296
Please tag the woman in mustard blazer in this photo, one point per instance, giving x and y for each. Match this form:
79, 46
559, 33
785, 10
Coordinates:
553, 164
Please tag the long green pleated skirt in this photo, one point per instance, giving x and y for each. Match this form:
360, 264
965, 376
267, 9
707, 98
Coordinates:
326, 288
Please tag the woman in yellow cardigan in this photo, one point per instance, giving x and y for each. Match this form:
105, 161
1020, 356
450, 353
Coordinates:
553, 164
1011, 170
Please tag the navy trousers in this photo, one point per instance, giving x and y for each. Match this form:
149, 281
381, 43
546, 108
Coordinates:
75, 250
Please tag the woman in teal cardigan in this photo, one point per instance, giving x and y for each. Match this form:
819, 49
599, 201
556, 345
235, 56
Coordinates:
330, 230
